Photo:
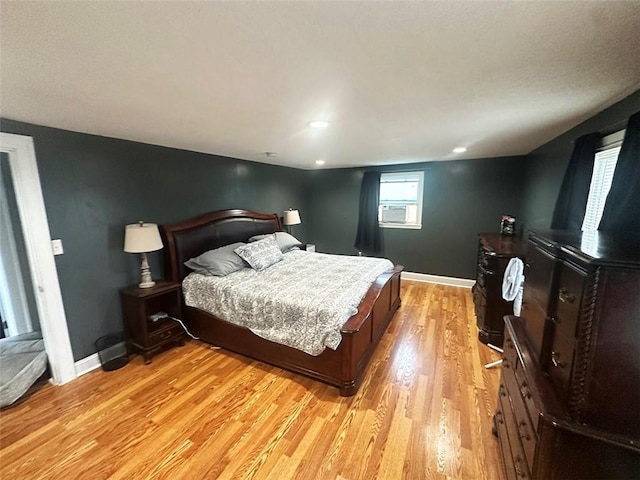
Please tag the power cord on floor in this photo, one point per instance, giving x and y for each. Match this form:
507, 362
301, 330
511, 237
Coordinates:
497, 362
183, 326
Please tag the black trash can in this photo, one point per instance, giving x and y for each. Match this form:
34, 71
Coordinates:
112, 350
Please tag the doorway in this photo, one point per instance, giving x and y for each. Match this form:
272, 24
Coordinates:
17, 301
23, 168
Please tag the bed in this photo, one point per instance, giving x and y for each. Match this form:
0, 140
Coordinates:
343, 367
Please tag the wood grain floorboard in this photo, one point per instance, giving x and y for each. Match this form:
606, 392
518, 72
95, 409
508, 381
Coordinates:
423, 412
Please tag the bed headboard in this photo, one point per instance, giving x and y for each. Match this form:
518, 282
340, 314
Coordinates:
192, 237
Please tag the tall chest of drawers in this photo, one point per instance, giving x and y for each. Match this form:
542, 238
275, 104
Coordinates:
494, 253
569, 401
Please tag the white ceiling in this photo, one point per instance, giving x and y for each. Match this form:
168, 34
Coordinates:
400, 82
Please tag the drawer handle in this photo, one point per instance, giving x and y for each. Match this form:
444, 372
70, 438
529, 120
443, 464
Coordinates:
498, 417
505, 363
555, 361
523, 432
566, 296
519, 470
554, 320
503, 391
166, 335
524, 391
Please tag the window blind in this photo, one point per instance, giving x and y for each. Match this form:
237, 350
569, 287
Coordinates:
603, 169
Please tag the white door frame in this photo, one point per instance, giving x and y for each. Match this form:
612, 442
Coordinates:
42, 266
13, 298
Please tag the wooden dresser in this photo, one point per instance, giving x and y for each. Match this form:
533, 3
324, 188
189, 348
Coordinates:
569, 396
494, 253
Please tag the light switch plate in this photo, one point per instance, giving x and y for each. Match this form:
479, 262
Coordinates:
56, 246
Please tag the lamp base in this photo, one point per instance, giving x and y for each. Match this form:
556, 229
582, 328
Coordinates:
145, 280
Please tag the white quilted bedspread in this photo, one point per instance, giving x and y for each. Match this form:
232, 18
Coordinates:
301, 301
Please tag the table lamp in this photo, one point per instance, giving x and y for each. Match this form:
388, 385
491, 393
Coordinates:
291, 217
142, 238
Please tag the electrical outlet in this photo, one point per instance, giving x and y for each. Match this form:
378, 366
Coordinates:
157, 316
56, 246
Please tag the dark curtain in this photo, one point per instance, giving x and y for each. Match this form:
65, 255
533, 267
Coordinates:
572, 200
368, 236
622, 209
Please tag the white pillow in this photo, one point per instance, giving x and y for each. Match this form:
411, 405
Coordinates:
284, 240
261, 254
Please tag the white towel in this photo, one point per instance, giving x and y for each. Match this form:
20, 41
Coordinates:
512, 284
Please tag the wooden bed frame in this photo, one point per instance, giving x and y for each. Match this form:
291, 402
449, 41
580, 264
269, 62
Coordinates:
343, 367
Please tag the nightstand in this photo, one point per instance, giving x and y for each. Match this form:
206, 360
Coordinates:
140, 304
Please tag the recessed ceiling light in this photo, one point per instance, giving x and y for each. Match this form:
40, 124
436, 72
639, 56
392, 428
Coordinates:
459, 150
271, 154
318, 124
319, 162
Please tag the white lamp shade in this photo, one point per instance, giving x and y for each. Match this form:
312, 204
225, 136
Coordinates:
142, 237
291, 217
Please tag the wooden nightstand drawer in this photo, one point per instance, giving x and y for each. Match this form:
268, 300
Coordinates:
164, 334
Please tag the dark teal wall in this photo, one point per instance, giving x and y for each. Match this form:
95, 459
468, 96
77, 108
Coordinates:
93, 186
461, 198
548, 163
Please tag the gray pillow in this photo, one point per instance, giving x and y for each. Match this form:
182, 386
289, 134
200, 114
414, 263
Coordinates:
261, 254
219, 262
285, 241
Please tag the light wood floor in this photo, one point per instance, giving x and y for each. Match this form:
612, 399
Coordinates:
423, 412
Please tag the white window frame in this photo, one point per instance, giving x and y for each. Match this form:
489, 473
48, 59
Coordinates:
603, 170
401, 175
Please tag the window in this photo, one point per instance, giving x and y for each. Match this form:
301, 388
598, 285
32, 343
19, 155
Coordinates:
603, 167
401, 200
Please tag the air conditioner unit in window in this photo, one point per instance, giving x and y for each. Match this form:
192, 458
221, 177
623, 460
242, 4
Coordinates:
394, 214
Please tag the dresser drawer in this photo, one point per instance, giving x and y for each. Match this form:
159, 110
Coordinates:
523, 430
539, 274
164, 334
483, 257
503, 439
525, 392
510, 354
534, 322
561, 363
520, 464
570, 285
480, 304
486, 276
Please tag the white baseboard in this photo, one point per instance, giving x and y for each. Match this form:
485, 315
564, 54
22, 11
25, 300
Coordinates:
451, 281
87, 364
